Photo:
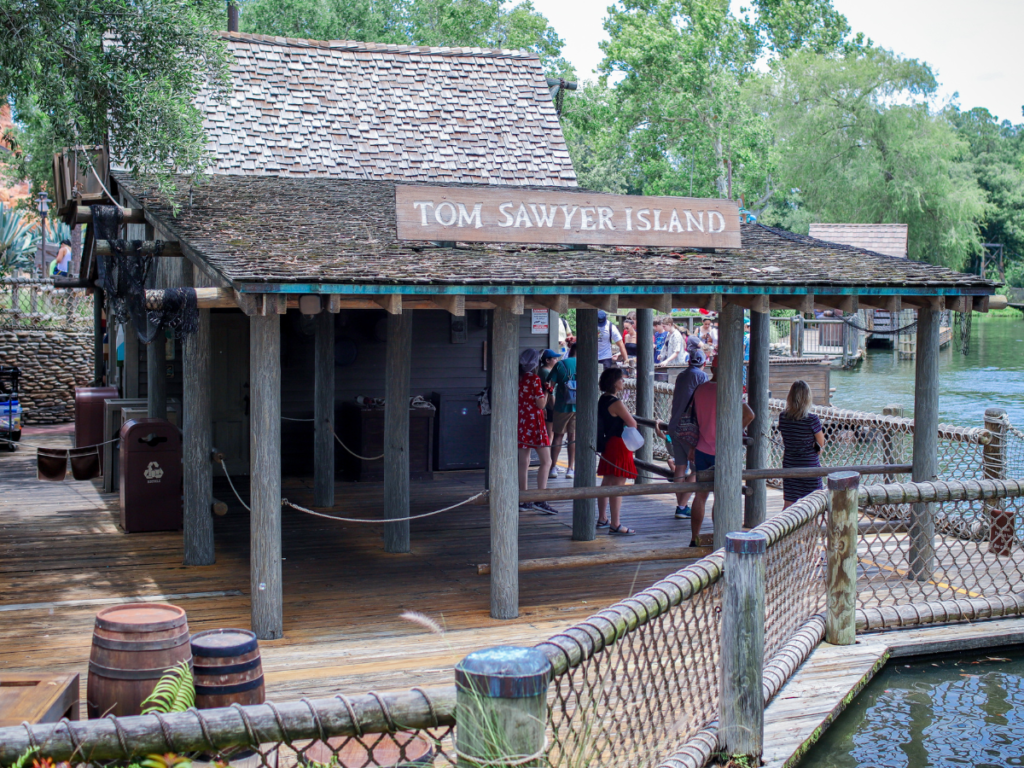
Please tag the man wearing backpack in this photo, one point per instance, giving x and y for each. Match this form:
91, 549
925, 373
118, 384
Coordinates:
562, 374
686, 384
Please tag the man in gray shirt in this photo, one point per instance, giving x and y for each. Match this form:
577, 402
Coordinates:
686, 384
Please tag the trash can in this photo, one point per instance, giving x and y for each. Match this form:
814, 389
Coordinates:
150, 470
89, 414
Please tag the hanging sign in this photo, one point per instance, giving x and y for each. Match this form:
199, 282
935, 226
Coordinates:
540, 322
517, 215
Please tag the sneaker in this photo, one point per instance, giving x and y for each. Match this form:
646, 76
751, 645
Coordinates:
526, 508
569, 474
543, 508
553, 473
682, 513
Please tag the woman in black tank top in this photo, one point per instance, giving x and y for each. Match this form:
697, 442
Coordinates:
616, 465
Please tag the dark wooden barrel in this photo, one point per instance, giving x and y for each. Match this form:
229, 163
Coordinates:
401, 749
132, 647
227, 668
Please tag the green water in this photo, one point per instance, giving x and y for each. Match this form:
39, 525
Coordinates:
991, 375
958, 712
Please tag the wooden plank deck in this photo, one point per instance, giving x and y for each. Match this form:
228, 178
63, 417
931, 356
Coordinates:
63, 557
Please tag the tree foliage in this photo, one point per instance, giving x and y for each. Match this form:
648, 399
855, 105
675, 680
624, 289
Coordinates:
115, 72
469, 23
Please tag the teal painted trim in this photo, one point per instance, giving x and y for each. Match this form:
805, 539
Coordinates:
576, 290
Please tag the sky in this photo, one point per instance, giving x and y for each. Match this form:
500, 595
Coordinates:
974, 47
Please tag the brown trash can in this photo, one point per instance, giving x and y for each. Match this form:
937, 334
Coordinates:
89, 414
227, 668
150, 469
132, 647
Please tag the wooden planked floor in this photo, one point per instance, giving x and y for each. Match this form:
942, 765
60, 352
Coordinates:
63, 557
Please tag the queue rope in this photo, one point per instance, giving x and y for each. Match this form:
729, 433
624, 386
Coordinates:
59, 447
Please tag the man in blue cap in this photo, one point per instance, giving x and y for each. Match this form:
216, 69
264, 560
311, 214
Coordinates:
607, 336
686, 384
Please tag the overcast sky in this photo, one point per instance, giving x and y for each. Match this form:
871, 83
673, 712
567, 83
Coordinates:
975, 47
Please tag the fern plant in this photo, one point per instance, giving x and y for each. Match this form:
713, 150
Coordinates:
175, 692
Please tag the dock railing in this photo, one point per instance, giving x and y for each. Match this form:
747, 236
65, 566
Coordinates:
29, 303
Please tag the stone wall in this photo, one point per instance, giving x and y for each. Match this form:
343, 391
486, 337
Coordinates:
52, 364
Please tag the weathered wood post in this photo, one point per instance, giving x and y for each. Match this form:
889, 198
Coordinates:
756, 504
740, 701
841, 587
845, 335
501, 706
729, 453
504, 476
156, 376
645, 381
1000, 516
926, 433
97, 337
131, 362
323, 411
198, 444
397, 369
891, 449
584, 511
265, 476
798, 329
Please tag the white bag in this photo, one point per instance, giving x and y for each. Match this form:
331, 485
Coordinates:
633, 439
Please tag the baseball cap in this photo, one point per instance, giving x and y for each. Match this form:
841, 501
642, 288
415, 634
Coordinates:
601, 316
549, 354
697, 358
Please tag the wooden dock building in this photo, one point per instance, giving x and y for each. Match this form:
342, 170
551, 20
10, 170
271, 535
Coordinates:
314, 286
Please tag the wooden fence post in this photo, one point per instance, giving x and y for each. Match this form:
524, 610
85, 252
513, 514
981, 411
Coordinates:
504, 477
926, 435
729, 452
841, 615
993, 457
502, 708
323, 410
740, 701
584, 511
645, 381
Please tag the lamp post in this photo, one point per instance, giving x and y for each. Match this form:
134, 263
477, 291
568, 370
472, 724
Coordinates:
43, 208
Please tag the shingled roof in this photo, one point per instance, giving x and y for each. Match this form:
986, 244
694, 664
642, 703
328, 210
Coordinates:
890, 239
370, 111
258, 229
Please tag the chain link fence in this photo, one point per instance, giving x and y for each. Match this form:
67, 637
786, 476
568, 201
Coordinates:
36, 304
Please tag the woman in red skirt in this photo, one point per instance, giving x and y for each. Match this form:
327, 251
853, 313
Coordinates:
616, 465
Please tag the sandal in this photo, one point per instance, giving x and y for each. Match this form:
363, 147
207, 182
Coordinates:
603, 523
622, 531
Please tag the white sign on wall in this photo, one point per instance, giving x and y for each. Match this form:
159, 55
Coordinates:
540, 322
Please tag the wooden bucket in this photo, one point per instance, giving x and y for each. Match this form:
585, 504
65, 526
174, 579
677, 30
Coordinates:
132, 647
227, 668
402, 749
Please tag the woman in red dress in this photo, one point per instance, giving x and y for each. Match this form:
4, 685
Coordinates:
532, 429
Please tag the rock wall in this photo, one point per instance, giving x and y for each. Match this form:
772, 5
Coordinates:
52, 364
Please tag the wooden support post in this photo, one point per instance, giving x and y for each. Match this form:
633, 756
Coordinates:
645, 380
755, 505
798, 331
740, 700
323, 412
729, 453
131, 362
156, 376
397, 369
198, 444
584, 511
891, 453
926, 433
841, 586
502, 472
501, 700
1000, 515
267, 594
97, 337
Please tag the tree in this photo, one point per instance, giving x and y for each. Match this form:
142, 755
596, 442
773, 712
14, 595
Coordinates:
118, 73
468, 23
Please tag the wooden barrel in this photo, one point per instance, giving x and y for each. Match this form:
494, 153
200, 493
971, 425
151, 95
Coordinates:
132, 647
227, 668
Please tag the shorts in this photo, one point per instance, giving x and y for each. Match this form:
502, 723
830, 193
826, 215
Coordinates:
681, 452
702, 461
607, 362
565, 424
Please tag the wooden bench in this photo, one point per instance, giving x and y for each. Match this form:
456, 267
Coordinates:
37, 698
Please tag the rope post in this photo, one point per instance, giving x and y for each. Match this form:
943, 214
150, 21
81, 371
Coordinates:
645, 381
993, 462
502, 706
740, 701
841, 586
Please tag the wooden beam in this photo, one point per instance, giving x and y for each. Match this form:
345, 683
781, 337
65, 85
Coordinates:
847, 304
514, 304
696, 301
206, 298
558, 303
659, 302
83, 215
452, 303
607, 302
197, 434
888, 303
603, 558
310, 304
333, 303
800, 302
755, 303
167, 249
980, 303
959, 303
391, 302
937, 303
250, 303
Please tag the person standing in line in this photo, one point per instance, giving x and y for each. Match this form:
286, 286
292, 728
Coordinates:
686, 384
629, 336
607, 337
708, 333
61, 264
561, 374
802, 441
660, 334
532, 432
616, 465
673, 352
705, 409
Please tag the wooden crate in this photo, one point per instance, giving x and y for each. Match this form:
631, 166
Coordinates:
782, 374
37, 698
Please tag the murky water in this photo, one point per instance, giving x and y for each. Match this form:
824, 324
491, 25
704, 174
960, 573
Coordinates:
948, 713
991, 375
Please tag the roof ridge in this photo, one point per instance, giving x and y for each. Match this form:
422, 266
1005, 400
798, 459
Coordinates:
807, 239
355, 45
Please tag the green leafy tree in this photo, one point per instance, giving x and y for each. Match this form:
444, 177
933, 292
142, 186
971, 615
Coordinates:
800, 25
118, 73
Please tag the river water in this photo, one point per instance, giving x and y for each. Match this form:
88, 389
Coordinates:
966, 712
991, 375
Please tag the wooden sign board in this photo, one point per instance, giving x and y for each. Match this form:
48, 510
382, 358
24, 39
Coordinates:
515, 215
